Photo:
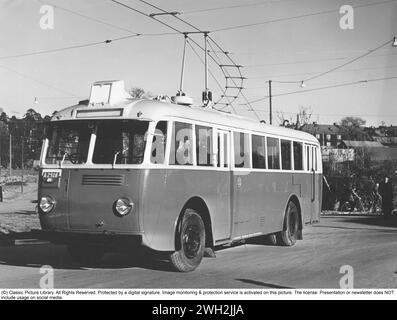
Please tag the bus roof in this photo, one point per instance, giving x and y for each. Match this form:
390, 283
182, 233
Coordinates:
157, 110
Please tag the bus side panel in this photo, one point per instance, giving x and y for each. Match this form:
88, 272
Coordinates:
260, 200
318, 199
304, 182
166, 193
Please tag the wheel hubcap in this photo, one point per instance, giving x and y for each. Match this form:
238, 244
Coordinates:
191, 242
293, 224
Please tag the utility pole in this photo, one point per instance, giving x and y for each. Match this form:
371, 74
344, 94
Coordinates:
270, 103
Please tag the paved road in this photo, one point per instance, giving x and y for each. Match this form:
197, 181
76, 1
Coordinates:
367, 244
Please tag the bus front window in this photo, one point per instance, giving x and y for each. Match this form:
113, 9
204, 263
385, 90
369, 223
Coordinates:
68, 143
120, 142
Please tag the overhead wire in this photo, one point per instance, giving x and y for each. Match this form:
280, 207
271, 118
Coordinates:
73, 47
250, 25
337, 85
181, 32
212, 75
40, 82
56, 6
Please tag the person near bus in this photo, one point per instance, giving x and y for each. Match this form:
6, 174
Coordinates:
386, 192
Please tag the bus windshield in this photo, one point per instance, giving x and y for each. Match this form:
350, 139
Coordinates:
120, 142
68, 143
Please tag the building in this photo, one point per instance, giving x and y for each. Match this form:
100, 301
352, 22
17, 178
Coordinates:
387, 136
331, 136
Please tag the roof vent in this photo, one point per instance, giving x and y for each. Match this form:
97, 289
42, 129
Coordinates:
182, 99
108, 92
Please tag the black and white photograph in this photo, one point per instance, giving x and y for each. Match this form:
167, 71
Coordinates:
198, 150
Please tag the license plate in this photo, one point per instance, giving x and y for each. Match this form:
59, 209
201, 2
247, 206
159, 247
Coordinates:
51, 176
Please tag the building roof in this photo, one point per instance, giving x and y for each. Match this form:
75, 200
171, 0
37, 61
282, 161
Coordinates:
362, 144
315, 128
386, 140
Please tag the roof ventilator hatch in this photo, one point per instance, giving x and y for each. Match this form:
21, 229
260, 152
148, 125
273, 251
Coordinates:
108, 93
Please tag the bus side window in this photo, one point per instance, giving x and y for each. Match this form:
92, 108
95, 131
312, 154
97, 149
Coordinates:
286, 155
241, 150
159, 143
273, 153
182, 145
204, 146
308, 168
313, 167
258, 152
298, 156
316, 153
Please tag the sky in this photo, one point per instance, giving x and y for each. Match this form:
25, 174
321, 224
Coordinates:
283, 50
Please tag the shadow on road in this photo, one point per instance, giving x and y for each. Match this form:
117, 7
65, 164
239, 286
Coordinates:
376, 221
58, 258
360, 223
262, 284
26, 212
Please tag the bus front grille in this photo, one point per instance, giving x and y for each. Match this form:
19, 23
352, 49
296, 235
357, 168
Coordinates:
103, 180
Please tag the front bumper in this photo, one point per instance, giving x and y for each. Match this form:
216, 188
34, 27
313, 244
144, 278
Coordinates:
111, 241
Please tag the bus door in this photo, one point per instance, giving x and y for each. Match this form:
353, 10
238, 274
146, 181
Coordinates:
314, 183
316, 186
223, 218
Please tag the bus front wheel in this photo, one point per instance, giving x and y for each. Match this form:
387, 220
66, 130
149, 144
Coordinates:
289, 236
191, 241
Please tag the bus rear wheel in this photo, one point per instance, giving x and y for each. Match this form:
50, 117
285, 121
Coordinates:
289, 236
191, 241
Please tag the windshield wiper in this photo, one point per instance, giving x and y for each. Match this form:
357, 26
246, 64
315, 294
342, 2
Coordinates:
115, 158
63, 159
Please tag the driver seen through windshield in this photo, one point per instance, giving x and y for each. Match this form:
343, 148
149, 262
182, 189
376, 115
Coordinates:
117, 142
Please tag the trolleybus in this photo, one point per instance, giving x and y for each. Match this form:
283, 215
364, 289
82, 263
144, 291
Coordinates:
174, 178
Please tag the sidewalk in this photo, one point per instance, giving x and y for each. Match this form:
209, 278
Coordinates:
18, 214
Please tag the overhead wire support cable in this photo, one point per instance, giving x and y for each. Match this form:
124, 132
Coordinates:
56, 6
312, 14
337, 85
181, 32
350, 61
92, 44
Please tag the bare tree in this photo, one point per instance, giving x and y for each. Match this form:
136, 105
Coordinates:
304, 116
353, 122
139, 93
282, 118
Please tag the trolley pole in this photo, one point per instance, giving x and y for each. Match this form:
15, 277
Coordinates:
206, 68
270, 103
183, 64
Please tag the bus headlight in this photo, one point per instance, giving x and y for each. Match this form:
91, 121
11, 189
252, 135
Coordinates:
123, 207
47, 204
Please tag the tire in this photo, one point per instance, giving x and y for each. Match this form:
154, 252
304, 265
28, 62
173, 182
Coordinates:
191, 241
289, 236
86, 255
